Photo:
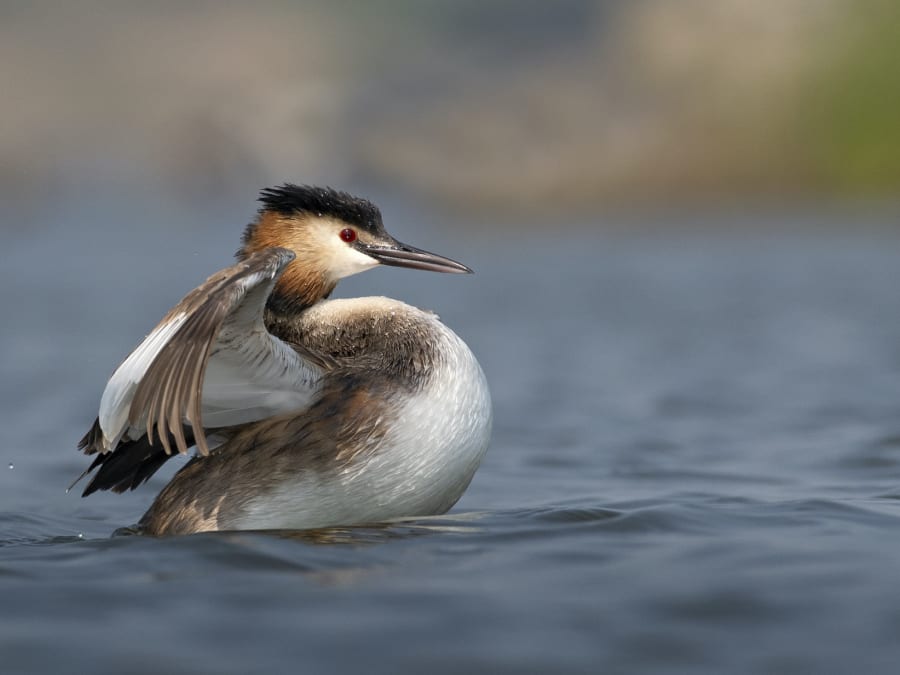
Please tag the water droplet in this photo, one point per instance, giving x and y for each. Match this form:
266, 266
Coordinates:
81, 535
11, 466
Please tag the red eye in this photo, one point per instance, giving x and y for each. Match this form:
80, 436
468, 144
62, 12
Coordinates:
348, 234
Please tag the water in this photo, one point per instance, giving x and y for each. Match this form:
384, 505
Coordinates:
695, 468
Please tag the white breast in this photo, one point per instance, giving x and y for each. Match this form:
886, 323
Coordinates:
422, 466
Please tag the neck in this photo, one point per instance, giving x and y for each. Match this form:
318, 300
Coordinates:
303, 283
297, 290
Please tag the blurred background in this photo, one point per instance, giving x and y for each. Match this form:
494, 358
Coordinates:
683, 218
506, 110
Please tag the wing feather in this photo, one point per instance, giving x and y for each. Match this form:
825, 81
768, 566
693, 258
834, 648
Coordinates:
211, 355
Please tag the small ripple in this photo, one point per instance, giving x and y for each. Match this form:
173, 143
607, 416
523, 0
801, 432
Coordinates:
17, 529
661, 519
704, 514
733, 605
862, 511
653, 517
573, 515
880, 454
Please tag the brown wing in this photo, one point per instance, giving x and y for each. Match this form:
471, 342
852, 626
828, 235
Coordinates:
210, 355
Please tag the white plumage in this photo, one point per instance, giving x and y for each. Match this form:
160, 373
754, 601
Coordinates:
435, 442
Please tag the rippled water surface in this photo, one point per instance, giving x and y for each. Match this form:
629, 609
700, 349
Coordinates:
695, 468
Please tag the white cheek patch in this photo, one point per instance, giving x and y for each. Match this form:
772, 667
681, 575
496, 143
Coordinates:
350, 261
340, 258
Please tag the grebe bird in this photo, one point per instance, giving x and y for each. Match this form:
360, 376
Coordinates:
305, 412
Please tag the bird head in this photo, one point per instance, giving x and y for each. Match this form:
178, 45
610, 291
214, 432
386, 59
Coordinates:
334, 235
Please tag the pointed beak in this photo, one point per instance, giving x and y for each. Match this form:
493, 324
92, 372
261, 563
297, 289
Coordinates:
403, 255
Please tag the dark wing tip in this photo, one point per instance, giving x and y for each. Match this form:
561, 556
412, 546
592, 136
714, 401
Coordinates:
92, 441
128, 467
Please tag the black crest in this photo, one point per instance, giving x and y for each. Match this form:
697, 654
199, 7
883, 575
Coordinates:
290, 199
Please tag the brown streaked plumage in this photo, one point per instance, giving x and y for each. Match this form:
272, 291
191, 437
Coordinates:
178, 508
304, 412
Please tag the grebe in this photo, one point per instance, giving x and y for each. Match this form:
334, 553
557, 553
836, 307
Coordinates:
305, 412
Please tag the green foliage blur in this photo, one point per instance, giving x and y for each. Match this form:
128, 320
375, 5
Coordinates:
853, 123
